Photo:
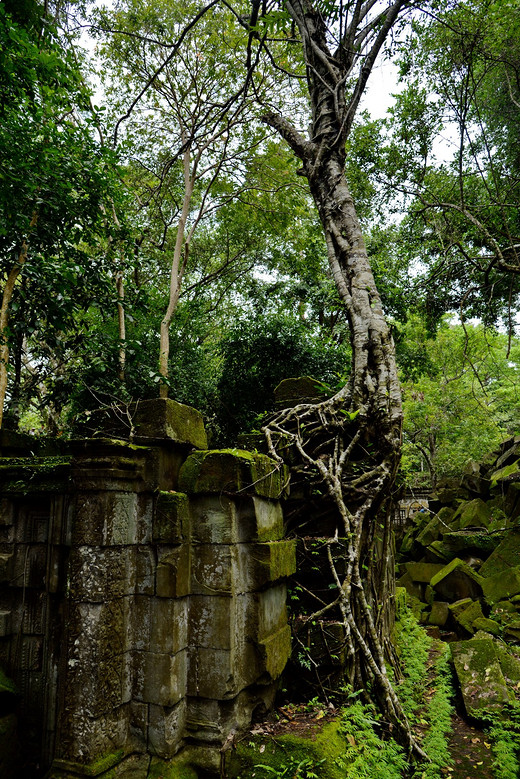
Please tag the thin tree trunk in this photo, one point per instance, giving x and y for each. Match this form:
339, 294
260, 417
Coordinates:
4, 314
176, 274
121, 323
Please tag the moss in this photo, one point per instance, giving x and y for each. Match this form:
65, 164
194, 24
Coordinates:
275, 651
102, 767
169, 769
323, 748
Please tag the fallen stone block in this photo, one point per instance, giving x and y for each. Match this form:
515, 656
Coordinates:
457, 580
439, 614
505, 556
502, 585
480, 676
467, 617
423, 572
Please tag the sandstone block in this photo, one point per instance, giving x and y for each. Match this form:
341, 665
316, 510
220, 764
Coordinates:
109, 518
165, 418
173, 573
94, 572
505, 556
160, 625
457, 580
166, 729
233, 471
171, 518
423, 572
502, 585
439, 614
160, 678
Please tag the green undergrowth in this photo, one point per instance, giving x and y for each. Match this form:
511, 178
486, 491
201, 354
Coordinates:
356, 744
504, 735
425, 691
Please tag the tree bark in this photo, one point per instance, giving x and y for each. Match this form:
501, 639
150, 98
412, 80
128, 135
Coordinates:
351, 442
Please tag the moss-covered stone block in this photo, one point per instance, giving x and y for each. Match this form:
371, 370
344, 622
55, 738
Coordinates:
487, 625
167, 419
507, 473
505, 556
458, 606
171, 518
509, 659
473, 513
502, 585
102, 766
414, 589
439, 552
473, 541
324, 747
169, 769
233, 471
467, 616
439, 614
431, 532
166, 727
480, 676
457, 580
423, 572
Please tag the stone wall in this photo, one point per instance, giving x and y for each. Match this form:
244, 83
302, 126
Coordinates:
142, 595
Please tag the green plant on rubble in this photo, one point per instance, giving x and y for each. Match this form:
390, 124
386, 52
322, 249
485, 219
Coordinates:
368, 755
293, 769
504, 735
413, 647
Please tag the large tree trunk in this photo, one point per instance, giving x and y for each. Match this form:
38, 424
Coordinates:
352, 441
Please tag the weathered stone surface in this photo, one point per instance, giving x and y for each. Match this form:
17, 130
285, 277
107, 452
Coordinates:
509, 660
457, 580
423, 572
413, 589
171, 518
458, 606
160, 625
160, 678
233, 471
505, 556
480, 677
502, 585
97, 687
438, 552
166, 729
94, 572
221, 520
506, 474
221, 673
431, 532
109, 519
165, 418
173, 573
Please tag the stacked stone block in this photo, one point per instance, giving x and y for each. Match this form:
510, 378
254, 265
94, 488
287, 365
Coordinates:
162, 575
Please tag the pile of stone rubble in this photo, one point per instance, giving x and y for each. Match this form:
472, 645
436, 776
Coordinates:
460, 566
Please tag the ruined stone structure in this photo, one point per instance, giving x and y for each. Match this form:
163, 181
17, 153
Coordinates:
142, 594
